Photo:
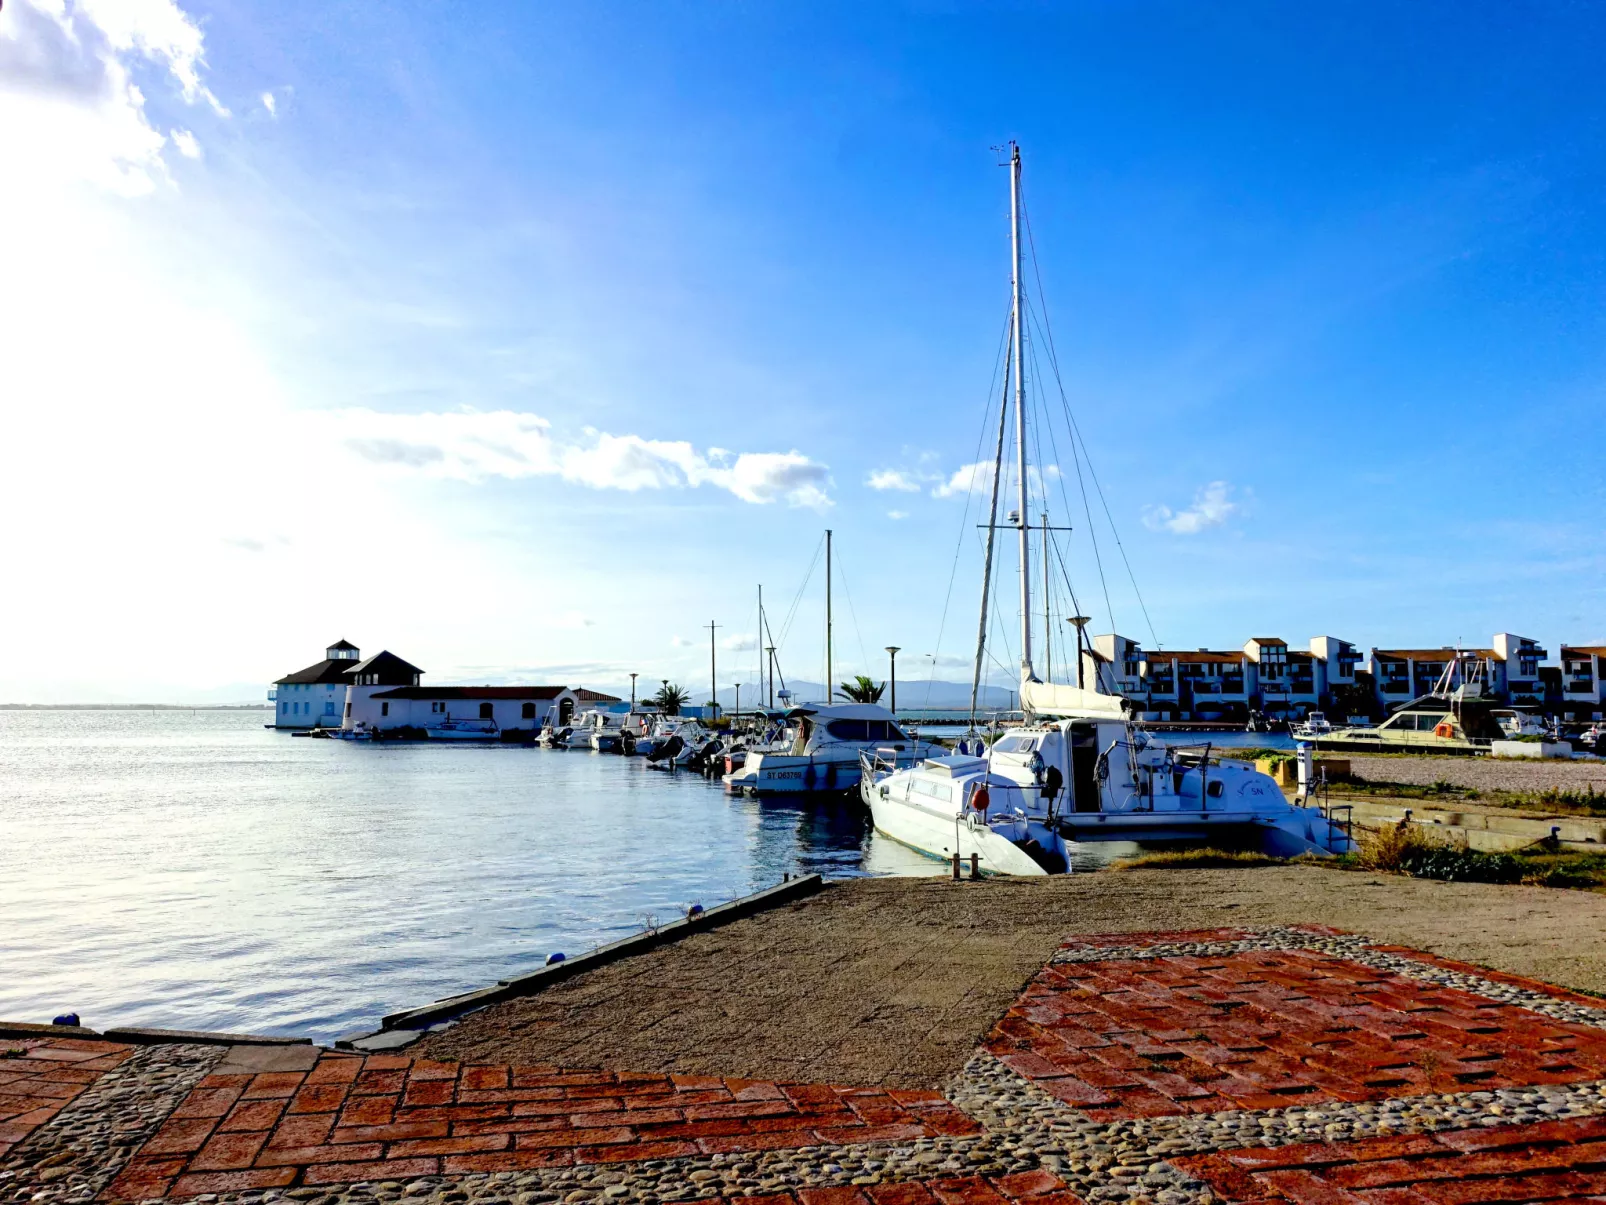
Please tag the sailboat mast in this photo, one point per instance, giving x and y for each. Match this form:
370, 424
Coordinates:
1022, 522
830, 682
1048, 621
992, 530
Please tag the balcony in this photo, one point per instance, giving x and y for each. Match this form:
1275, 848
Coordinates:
273, 694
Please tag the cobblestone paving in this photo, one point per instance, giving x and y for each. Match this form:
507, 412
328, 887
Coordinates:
1269, 1065
74, 1155
41, 1076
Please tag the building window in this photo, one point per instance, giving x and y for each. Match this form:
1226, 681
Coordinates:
348, 711
485, 711
384, 709
529, 711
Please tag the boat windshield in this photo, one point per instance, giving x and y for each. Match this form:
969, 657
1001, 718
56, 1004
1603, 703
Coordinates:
1015, 744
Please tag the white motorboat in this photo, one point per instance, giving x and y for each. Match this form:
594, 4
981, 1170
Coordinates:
676, 740
463, 730
1078, 769
820, 749
1313, 725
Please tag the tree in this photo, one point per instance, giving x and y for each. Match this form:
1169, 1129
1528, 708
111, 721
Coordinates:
862, 689
670, 699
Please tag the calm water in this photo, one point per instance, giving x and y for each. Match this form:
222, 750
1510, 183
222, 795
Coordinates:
195, 870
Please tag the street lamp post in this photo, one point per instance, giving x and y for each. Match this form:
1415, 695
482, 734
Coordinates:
1081, 621
632, 694
737, 706
892, 654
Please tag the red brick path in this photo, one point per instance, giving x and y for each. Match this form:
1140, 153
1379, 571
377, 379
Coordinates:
1551, 1161
1269, 1028
390, 1117
40, 1076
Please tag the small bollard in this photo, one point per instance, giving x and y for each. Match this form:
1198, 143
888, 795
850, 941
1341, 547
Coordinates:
975, 867
956, 866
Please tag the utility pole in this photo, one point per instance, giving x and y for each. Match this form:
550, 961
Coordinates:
892, 652
713, 672
736, 707
830, 678
632, 694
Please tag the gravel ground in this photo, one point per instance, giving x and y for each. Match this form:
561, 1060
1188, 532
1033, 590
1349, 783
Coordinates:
1482, 773
895, 981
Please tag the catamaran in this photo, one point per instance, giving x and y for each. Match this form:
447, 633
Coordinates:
1079, 769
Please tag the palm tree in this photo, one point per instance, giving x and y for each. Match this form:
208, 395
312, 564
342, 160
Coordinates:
670, 699
862, 689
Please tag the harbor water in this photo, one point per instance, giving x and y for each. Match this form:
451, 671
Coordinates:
195, 870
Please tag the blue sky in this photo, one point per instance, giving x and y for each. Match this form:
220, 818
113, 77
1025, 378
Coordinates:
362, 320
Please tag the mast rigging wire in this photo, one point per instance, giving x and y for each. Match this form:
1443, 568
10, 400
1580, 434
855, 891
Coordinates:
1076, 432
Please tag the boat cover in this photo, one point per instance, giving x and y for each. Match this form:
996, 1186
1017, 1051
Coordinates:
1049, 698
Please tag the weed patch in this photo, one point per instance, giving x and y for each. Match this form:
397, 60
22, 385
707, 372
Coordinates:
1197, 859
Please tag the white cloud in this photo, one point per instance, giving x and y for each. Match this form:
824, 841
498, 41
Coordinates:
897, 514
474, 446
1212, 506
270, 103
69, 108
186, 145
978, 476
740, 643
892, 479
679, 642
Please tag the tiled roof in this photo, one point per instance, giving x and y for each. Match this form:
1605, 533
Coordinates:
592, 696
1444, 654
472, 692
325, 671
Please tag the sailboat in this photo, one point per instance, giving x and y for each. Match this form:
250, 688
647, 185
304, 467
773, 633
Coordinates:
1078, 769
820, 747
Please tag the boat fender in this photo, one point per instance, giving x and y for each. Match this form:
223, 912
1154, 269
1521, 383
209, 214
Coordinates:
830, 776
808, 779
981, 799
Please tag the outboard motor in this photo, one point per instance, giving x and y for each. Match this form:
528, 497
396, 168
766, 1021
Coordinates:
665, 750
708, 755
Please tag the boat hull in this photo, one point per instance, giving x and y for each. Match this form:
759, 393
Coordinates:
793, 774
939, 836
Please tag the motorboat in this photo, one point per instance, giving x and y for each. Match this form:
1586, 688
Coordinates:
674, 740
818, 749
463, 730
1078, 770
1313, 725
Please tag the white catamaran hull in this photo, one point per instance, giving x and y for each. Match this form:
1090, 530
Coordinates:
937, 835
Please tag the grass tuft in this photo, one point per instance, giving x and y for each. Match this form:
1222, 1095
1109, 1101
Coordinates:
1196, 859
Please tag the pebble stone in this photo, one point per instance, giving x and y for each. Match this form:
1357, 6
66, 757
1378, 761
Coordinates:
72, 1157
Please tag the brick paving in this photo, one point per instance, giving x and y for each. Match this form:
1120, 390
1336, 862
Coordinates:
1547, 1161
1172, 1073
353, 1118
1264, 1029
41, 1076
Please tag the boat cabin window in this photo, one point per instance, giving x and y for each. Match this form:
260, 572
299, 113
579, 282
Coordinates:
863, 730
933, 790
1215, 789
1015, 744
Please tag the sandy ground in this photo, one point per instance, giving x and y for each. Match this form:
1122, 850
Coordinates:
1482, 773
894, 981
